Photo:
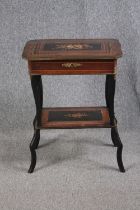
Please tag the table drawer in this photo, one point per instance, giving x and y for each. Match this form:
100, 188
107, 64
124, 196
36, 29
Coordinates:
72, 67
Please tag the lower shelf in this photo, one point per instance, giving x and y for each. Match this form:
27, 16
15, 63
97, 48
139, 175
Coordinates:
74, 117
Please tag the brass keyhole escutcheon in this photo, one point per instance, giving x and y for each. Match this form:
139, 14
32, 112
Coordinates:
71, 65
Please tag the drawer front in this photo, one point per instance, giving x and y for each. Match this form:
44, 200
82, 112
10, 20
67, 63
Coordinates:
72, 67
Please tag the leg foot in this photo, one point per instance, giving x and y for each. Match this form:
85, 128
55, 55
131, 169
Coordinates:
117, 142
33, 146
33, 161
119, 158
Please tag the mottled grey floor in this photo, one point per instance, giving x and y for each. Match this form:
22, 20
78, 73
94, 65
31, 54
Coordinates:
76, 169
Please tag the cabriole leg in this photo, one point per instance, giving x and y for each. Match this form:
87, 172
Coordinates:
117, 139
109, 94
37, 88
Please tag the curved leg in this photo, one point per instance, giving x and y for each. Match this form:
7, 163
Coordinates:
36, 83
109, 93
37, 138
113, 136
33, 145
109, 96
37, 134
119, 145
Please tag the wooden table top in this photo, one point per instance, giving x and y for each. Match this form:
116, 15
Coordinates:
72, 49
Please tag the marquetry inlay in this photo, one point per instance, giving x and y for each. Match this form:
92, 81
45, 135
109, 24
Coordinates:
76, 115
82, 46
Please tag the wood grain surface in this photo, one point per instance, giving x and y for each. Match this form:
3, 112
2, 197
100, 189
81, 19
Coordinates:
72, 49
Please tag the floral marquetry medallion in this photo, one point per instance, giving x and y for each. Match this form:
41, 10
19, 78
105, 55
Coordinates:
80, 46
73, 115
76, 115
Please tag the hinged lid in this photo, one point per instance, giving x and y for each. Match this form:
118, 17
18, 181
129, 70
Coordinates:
72, 49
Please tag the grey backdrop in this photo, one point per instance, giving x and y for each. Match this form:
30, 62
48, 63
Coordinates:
24, 20
76, 169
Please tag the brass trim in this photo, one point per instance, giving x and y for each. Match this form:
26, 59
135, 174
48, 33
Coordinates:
115, 69
71, 65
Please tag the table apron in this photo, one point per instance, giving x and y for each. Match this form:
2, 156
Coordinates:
72, 67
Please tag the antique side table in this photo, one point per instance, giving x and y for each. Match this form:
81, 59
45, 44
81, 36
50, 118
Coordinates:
73, 57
